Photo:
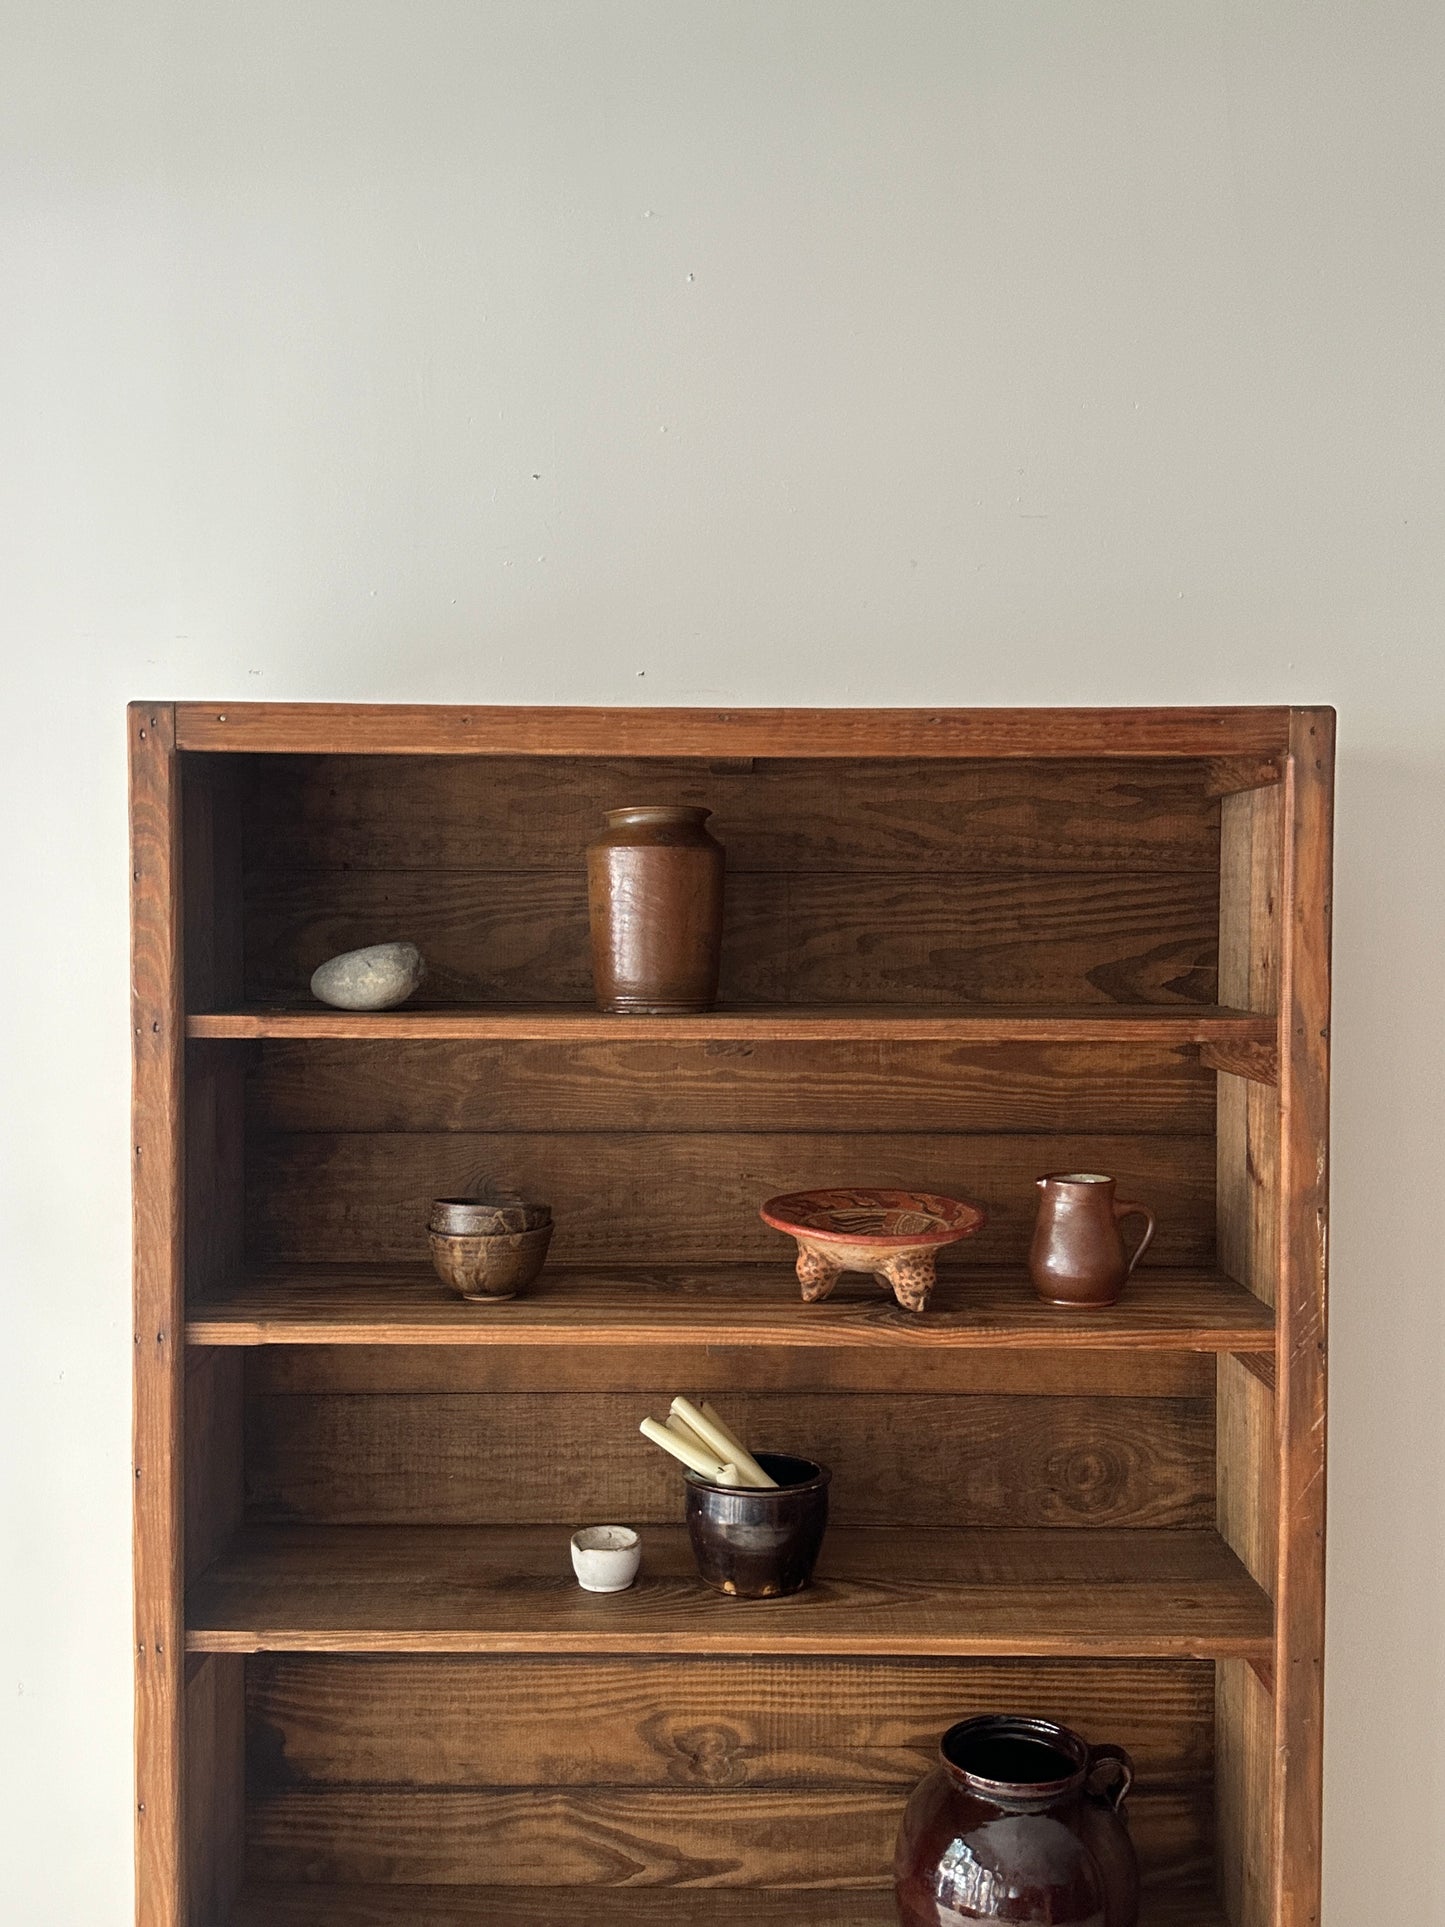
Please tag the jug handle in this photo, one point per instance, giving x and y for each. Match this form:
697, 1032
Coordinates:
1122, 1210
1115, 1795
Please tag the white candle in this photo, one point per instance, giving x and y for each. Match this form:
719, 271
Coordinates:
693, 1456
685, 1432
722, 1442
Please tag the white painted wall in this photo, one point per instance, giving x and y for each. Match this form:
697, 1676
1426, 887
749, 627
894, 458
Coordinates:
759, 351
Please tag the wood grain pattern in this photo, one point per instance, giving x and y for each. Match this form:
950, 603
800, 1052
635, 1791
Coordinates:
1248, 1109
1046, 1009
212, 1453
215, 1135
1065, 1370
829, 1839
755, 1306
684, 1723
659, 1199
1247, 1185
1226, 774
215, 1779
1244, 1794
1172, 1025
1262, 1366
524, 812
268, 1904
1304, 1099
1248, 1469
537, 1459
521, 936
419, 729
1259, 1062
762, 1084
157, 1149
1249, 899
438, 1589
212, 894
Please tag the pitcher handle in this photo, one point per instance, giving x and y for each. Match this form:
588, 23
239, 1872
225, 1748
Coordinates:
1116, 1794
1123, 1209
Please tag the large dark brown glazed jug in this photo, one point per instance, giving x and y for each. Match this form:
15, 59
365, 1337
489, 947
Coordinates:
655, 899
1021, 1821
1077, 1256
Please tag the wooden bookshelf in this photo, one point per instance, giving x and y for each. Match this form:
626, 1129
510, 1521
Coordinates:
963, 948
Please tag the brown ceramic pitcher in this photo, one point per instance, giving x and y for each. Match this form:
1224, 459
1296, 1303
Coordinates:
655, 899
1077, 1256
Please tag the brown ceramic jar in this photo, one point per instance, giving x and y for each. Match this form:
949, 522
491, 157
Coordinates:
655, 899
1077, 1256
758, 1542
1021, 1821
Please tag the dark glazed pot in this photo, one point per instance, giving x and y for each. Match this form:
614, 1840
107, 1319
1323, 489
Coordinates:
755, 1543
1077, 1254
1021, 1821
655, 900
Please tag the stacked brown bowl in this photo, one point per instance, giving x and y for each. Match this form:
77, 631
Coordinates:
487, 1249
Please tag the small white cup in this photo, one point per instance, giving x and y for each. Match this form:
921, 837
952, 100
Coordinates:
606, 1558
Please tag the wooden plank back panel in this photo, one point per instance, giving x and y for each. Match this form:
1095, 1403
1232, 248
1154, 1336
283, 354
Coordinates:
630, 1085
837, 937
728, 1724
690, 1198
510, 812
538, 1459
1066, 1372
650, 1837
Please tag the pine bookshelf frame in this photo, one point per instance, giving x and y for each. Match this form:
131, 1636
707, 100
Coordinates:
254, 1580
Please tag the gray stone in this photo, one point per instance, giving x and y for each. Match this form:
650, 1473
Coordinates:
377, 978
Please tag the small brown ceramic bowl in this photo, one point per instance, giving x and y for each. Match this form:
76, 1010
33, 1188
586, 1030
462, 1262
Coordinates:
756, 1543
486, 1217
488, 1270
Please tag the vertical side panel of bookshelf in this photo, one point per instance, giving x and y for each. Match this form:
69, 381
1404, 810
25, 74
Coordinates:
157, 1039
213, 1760
1305, 915
1247, 1454
215, 1768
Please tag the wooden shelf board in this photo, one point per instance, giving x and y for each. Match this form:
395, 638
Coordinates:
740, 1305
264, 1905
496, 730
843, 1023
509, 1589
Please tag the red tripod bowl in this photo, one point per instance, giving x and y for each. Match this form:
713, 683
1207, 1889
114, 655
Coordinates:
891, 1220
894, 1234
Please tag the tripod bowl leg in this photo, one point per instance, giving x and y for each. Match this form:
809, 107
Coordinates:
816, 1274
912, 1277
